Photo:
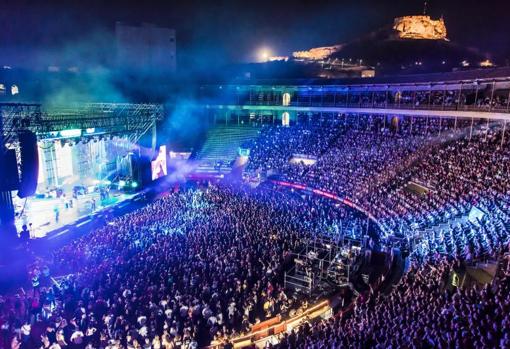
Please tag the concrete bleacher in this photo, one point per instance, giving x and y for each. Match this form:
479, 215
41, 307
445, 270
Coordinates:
221, 146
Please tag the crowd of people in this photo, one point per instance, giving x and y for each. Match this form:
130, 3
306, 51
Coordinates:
270, 151
204, 264
424, 311
411, 174
426, 180
195, 266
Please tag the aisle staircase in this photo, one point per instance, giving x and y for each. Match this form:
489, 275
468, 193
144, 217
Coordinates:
221, 147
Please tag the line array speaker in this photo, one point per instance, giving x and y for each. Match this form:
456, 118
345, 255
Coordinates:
29, 163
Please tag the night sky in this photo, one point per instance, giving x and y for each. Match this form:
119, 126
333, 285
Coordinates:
37, 33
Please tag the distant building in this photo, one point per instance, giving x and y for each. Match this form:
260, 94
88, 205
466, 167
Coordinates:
317, 53
147, 49
420, 27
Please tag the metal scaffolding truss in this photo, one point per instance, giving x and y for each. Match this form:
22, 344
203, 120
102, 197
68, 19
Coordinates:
323, 262
131, 119
113, 117
15, 117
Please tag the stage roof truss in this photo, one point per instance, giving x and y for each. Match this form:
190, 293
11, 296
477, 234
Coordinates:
133, 120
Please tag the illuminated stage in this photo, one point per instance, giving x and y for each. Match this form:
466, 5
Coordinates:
81, 159
77, 177
40, 214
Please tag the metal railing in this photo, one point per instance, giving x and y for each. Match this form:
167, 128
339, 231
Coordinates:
383, 105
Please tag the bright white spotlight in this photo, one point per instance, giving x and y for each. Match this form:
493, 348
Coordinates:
264, 54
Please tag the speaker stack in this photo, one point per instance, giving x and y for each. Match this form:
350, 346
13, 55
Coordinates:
141, 168
9, 180
29, 163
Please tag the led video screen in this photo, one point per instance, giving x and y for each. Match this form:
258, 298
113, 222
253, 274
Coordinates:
158, 165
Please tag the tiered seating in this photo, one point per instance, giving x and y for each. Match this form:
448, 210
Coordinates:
460, 174
470, 239
222, 146
373, 166
359, 160
273, 149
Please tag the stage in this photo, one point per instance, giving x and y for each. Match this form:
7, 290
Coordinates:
40, 214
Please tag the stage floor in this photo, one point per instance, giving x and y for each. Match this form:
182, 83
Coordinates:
41, 213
